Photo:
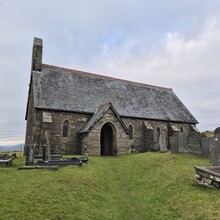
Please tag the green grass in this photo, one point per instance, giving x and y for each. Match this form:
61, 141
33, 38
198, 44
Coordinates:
138, 186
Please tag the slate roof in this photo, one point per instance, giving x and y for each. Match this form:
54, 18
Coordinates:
100, 110
61, 89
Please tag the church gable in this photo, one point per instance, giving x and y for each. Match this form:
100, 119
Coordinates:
99, 112
107, 136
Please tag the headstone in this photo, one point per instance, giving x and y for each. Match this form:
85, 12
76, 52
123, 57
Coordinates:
48, 145
20, 150
148, 137
44, 153
174, 144
205, 143
29, 155
155, 148
194, 144
215, 148
182, 143
162, 142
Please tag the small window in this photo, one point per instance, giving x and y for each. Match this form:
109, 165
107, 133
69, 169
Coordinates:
158, 134
181, 129
65, 128
130, 128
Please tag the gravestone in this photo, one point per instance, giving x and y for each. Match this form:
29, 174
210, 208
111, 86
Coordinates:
148, 137
162, 142
183, 143
148, 140
29, 155
48, 145
194, 143
214, 148
205, 144
174, 139
174, 144
44, 153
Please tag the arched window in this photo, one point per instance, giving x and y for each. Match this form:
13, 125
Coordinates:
65, 128
158, 134
181, 129
130, 128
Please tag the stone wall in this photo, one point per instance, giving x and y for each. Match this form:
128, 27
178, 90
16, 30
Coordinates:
54, 126
144, 139
30, 117
37, 54
121, 142
179, 139
186, 141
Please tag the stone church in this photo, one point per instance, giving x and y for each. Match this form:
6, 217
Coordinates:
91, 114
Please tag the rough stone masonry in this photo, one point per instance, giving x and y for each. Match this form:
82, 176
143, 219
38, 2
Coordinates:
86, 113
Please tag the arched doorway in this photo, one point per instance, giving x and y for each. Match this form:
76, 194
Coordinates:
106, 140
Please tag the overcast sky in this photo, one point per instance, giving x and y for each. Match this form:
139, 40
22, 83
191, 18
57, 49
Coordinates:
169, 43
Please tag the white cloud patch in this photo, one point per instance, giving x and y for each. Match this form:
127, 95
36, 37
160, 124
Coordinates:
189, 65
168, 43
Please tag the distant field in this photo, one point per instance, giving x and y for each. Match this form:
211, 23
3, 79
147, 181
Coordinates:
138, 186
18, 153
208, 133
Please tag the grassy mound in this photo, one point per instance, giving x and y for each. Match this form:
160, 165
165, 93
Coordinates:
137, 186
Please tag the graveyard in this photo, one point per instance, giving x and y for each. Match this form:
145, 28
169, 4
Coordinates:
136, 186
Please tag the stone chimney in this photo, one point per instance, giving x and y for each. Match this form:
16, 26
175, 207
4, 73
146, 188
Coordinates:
37, 54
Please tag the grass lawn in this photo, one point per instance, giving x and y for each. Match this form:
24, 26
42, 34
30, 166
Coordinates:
138, 186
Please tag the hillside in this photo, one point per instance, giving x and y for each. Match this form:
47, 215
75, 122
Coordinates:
2, 148
137, 186
208, 133
11, 147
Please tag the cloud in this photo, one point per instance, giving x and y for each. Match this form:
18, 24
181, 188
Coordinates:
187, 64
168, 43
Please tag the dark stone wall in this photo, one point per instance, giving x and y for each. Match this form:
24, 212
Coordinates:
37, 54
143, 139
59, 144
146, 139
121, 141
31, 112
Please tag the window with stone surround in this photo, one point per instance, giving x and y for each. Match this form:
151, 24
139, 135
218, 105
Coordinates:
130, 128
181, 129
158, 134
65, 128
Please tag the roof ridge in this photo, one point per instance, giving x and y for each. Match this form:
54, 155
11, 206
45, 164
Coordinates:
99, 75
106, 102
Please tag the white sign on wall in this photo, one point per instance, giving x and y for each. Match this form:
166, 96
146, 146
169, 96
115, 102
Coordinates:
47, 117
